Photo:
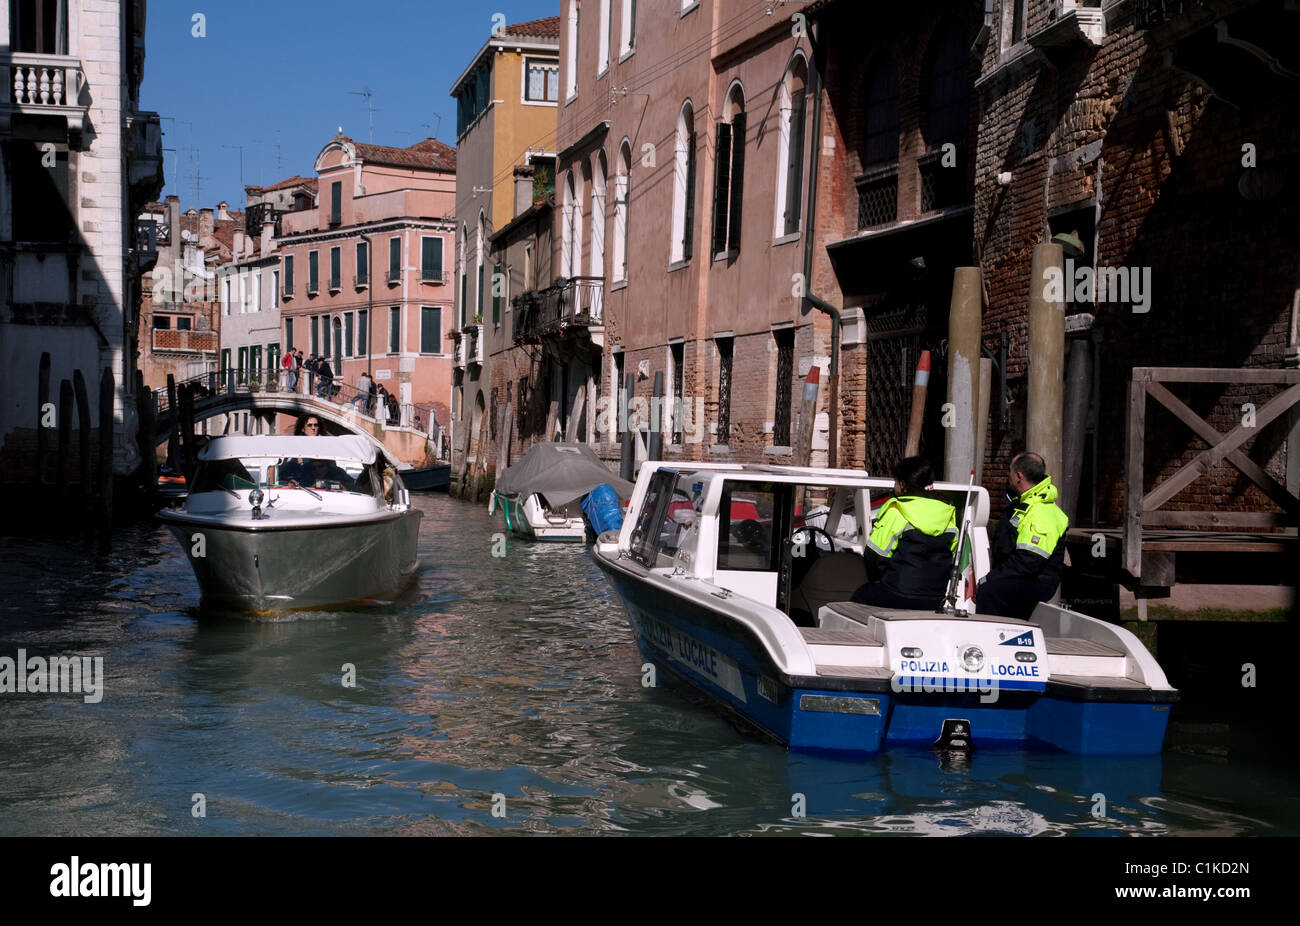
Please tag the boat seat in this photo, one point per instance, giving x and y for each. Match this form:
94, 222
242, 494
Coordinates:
832, 577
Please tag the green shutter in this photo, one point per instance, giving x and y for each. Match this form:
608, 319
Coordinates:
721, 177
794, 175
496, 298
737, 180
480, 291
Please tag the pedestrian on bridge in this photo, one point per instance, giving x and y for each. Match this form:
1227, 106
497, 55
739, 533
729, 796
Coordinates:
361, 401
289, 366
326, 373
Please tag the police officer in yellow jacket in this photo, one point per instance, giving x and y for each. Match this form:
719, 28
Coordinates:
909, 554
1028, 548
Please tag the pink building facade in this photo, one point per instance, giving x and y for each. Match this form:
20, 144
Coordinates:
365, 274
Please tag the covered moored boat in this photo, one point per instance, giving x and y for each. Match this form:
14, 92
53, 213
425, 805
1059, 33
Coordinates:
541, 495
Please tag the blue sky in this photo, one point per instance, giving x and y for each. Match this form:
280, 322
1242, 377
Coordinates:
283, 71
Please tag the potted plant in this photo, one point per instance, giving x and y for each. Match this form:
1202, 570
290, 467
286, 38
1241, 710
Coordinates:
478, 318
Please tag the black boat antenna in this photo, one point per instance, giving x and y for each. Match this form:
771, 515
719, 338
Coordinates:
954, 577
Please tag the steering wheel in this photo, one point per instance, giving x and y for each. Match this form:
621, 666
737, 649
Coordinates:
810, 529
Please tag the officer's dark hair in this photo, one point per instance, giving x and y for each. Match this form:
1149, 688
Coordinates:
915, 474
1031, 466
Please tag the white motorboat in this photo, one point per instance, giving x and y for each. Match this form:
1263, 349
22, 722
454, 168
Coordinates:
541, 495
727, 587
276, 522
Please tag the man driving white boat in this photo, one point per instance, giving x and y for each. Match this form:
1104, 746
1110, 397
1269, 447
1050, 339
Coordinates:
909, 554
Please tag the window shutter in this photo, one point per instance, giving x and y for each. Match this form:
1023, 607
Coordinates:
794, 163
721, 174
688, 233
737, 180
496, 298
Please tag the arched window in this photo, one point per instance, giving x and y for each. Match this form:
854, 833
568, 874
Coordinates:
571, 56
945, 126
790, 143
566, 227
599, 174
882, 114
683, 185
729, 173
464, 270
478, 260
878, 187
621, 187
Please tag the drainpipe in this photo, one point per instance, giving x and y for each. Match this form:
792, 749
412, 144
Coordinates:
810, 224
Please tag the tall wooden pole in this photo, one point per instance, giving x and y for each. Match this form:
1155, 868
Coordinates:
963, 374
1046, 357
42, 399
83, 430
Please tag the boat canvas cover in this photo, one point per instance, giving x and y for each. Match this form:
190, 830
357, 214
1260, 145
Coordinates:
561, 472
348, 448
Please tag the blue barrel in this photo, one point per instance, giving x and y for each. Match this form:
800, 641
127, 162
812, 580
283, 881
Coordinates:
603, 509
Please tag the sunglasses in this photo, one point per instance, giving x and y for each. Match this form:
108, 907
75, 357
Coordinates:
311, 424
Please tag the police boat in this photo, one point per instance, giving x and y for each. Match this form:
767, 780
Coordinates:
731, 588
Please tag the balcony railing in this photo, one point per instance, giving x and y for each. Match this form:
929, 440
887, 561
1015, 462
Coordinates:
394, 276
431, 276
184, 340
256, 214
473, 344
1148, 13
43, 84
360, 280
1071, 21
458, 350
578, 301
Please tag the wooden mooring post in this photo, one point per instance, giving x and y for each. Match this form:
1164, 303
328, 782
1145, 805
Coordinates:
83, 431
42, 400
105, 475
64, 441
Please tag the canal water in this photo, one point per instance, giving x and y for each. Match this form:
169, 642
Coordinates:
498, 695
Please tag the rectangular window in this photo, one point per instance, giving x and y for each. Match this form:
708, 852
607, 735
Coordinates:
629, 27
39, 26
363, 330
620, 391
288, 333
275, 289
480, 294
162, 322
313, 273
395, 330
42, 211
348, 321
784, 386
315, 335
243, 362
363, 264
394, 259
225, 303
528, 267
255, 297
602, 57
678, 354
225, 358
183, 323
542, 81
724, 389
430, 330
336, 269
431, 259
288, 274
273, 358
336, 202
462, 300
688, 232
498, 283
255, 360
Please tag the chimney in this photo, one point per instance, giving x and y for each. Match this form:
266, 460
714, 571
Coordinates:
268, 231
205, 225
523, 188
239, 243
223, 212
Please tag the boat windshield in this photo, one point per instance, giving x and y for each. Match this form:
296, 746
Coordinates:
321, 475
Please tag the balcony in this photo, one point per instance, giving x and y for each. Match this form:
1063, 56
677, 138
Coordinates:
46, 85
429, 276
177, 340
1150, 13
361, 281
258, 213
458, 350
576, 303
473, 345
1071, 21
394, 276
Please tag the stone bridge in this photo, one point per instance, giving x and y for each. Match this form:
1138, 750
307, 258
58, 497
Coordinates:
399, 443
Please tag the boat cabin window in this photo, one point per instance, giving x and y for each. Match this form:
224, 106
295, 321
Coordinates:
322, 475
746, 509
659, 528
223, 475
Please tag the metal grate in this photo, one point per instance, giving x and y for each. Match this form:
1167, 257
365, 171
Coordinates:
724, 390
878, 199
893, 347
784, 387
942, 186
1148, 13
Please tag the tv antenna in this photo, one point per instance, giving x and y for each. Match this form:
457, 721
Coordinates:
369, 97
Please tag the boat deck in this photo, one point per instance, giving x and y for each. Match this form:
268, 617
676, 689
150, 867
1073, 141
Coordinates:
1076, 646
